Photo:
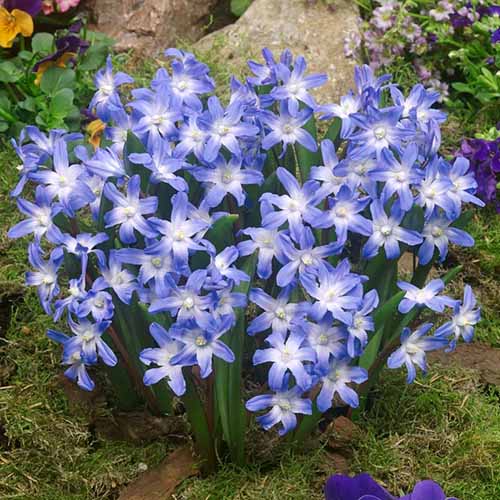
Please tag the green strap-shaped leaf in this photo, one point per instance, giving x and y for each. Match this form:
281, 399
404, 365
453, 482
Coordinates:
221, 234
199, 425
134, 145
307, 158
228, 377
131, 323
333, 132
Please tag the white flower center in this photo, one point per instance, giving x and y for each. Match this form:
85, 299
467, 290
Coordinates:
227, 177
307, 259
323, 339
188, 303
87, 336
179, 235
379, 132
437, 232
386, 230
222, 130
157, 119
48, 280
43, 220
201, 341
157, 262
130, 211
342, 211
285, 356
107, 88
280, 313
287, 128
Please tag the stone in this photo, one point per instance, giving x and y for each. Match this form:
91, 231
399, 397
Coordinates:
150, 26
313, 30
341, 434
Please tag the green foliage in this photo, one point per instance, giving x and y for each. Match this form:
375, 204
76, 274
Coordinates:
463, 60
52, 97
238, 7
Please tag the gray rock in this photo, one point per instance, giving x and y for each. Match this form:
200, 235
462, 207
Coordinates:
150, 26
314, 31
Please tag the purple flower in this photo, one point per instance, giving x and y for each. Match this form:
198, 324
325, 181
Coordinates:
426, 296
69, 44
224, 127
44, 277
279, 314
295, 85
107, 85
286, 127
129, 210
286, 355
379, 129
387, 232
296, 206
465, 317
65, 181
363, 487
32, 7
305, 260
413, 348
334, 379
284, 404
161, 356
40, 217
338, 291
201, 342
226, 177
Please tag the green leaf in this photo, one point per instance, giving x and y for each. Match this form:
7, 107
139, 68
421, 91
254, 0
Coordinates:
229, 376
42, 43
197, 417
10, 72
333, 132
134, 145
55, 79
238, 7
95, 56
307, 158
29, 104
61, 103
221, 234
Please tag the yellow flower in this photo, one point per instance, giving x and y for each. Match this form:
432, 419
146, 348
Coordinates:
13, 23
58, 63
95, 130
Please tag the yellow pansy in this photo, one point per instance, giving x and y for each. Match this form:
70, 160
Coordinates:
13, 23
61, 62
95, 130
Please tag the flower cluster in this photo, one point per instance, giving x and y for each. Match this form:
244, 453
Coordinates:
191, 209
425, 35
484, 157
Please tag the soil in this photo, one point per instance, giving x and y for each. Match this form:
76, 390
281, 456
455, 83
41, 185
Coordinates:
475, 356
